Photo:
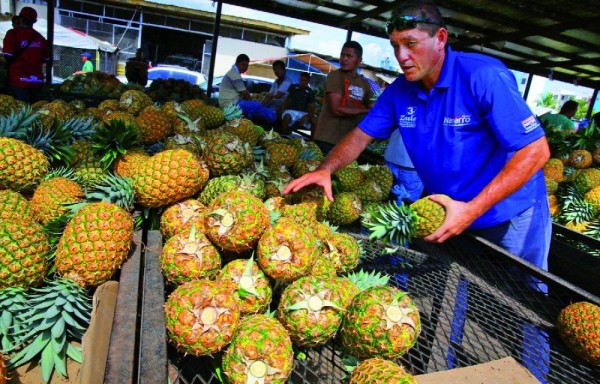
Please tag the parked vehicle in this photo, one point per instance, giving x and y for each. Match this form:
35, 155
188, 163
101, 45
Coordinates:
172, 72
190, 62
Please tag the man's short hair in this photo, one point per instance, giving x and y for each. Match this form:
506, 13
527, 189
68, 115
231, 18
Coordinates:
569, 106
354, 45
424, 9
305, 74
241, 58
278, 63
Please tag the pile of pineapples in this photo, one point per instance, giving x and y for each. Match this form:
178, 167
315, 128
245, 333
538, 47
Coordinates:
76, 180
573, 178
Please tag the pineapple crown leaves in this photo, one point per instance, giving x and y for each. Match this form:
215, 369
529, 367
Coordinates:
593, 230
578, 212
350, 362
191, 125
364, 280
274, 216
53, 142
57, 314
232, 111
13, 302
81, 128
569, 193
113, 189
391, 223
113, 138
15, 124
66, 172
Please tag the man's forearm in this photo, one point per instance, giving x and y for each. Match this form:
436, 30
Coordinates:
517, 171
346, 151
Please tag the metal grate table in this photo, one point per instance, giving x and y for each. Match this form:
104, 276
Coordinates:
474, 306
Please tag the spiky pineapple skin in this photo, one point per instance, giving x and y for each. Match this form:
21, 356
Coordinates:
2, 370
181, 216
259, 337
366, 332
578, 326
301, 244
430, 216
345, 209
184, 259
23, 251
250, 219
225, 153
153, 125
183, 313
13, 205
22, 167
94, 244
580, 159
309, 328
249, 304
218, 185
343, 250
378, 370
168, 177
126, 165
50, 197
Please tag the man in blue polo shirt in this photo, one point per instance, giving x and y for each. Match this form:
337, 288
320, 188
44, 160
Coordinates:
470, 136
468, 132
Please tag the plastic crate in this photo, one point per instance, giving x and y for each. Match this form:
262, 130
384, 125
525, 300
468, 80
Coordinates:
474, 308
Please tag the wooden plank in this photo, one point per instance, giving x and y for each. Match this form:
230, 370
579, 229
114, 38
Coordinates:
122, 362
153, 337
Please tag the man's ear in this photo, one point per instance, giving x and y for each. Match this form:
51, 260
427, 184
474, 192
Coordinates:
442, 36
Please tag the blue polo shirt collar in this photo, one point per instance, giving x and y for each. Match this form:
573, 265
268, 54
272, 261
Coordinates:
445, 80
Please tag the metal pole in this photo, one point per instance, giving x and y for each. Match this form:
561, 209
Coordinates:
349, 35
588, 115
50, 39
527, 86
213, 49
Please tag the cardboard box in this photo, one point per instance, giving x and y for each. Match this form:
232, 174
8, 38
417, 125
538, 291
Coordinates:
503, 371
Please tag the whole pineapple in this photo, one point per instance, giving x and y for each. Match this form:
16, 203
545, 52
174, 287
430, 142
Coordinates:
49, 198
261, 352
134, 101
398, 224
225, 153
181, 216
153, 125
212, 117
311, 310
94, 244
345, 209
244, 129
578, 326
253, 289
22, 167
218, 185
201, 317
236, 220
381, 321
580, 159
23, 252
286, 251
378, 370
189, 256
169, 176
280, 153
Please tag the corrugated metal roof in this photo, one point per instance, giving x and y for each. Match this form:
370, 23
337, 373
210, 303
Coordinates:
540, 37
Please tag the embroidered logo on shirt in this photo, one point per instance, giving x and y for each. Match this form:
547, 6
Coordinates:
530, 124
409, 120
457, 121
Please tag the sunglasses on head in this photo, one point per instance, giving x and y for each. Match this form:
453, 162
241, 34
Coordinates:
401, 23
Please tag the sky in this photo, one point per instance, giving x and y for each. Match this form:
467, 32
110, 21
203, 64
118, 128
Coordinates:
322, 39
